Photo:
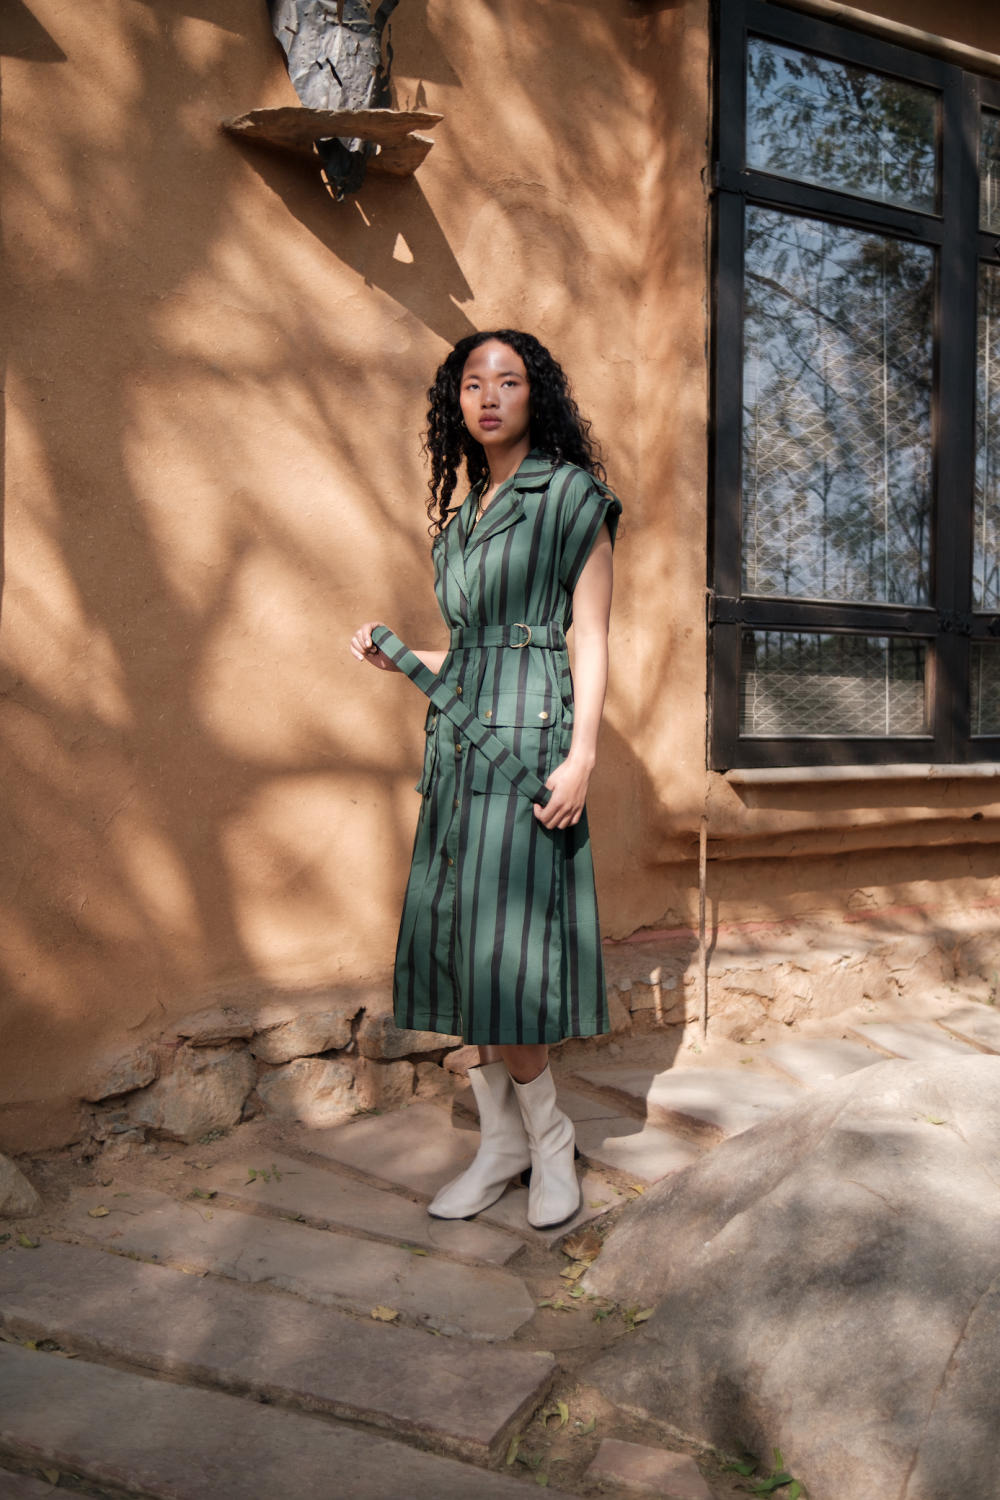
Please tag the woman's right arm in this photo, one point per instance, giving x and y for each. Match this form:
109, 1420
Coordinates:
365, 649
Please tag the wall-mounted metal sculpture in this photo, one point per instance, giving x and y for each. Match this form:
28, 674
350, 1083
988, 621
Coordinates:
339, 56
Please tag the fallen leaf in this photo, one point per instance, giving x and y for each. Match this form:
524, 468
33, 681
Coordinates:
26, 1242
203, 1193
542, 1479
98, 1213
416, 1250
641, 1317
384, 1314
745, 1467
637, 1187
597, 1203
589, 1428
515, 1443
935, 1120
585, 1245
52, 1475
573, 1272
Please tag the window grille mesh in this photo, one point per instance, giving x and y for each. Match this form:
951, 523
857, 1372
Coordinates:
806, 684
837, 412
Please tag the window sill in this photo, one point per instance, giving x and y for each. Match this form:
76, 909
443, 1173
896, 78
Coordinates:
982, 770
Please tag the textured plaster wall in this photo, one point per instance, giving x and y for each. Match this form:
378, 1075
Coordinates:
214, 382
215, 378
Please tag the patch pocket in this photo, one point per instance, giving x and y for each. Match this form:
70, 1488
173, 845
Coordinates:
524, 722
430, 753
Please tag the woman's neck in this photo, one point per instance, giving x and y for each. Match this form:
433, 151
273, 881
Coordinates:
503, 466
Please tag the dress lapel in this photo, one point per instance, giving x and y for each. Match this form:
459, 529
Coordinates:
507, 507
453, 541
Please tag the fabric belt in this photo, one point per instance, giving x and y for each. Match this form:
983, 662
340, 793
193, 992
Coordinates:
471, 728
550, 637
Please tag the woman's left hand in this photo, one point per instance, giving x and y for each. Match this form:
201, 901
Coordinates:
568, 785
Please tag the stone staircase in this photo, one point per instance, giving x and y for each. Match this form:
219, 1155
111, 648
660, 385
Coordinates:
274, 1315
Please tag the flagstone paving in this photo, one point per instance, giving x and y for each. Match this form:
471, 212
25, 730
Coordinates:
817, 1062
289, 1185
166, 1441
715, 1101
918, 1041
272, 1346
322, 1266
245, 1333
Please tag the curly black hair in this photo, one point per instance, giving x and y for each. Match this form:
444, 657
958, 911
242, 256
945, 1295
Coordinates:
557, 428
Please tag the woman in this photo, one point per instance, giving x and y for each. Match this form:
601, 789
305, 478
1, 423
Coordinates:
499, 937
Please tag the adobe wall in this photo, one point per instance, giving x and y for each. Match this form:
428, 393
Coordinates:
215, 379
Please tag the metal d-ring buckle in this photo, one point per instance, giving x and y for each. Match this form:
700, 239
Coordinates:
520, 645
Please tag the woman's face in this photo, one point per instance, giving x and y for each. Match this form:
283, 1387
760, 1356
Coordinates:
495, 397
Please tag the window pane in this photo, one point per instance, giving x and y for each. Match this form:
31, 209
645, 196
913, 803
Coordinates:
985, 685
822, 686
836, 412
986, 545
989, 172
840, 126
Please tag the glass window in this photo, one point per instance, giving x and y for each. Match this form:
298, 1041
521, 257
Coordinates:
989, 171
855, 608
804, 684
986, 528
838, 360
986, 688
840, 126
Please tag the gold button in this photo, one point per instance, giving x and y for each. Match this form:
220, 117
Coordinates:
458, 749
451, 861
456, 801
458, 690
543, 714
488, 714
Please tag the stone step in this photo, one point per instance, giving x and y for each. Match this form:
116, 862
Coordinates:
651, 1471
916, 1041
979, 1024
448, 1394
165, 1441
626, 1144
320, 1265
329, 1200
423, 1147
813, 1062
714, 1102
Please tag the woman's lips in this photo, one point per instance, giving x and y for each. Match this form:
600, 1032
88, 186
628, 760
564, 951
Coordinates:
489, 422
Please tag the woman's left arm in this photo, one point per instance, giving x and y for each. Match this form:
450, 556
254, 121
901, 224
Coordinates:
591, 615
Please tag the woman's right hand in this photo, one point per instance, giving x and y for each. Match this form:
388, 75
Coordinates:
365, 649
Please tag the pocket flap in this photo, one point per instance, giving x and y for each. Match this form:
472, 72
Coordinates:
529, 709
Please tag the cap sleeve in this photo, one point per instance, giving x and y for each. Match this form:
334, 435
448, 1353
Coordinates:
588, 506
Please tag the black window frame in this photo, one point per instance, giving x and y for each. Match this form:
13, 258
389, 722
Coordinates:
948, 624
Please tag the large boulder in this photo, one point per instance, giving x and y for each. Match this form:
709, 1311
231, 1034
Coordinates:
828, 1283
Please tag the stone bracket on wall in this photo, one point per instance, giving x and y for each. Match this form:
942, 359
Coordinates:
398, 149
339, 56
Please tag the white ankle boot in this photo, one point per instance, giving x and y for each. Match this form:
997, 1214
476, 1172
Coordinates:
554, 1194
503, 1147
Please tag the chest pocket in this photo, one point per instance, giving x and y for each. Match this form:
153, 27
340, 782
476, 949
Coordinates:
530, 723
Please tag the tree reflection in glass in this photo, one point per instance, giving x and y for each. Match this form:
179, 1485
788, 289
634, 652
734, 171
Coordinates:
989, 172
985, 687
841, 126
986, 543
831, 686
836, 412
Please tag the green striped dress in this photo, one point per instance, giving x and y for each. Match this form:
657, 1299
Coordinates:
499, 939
